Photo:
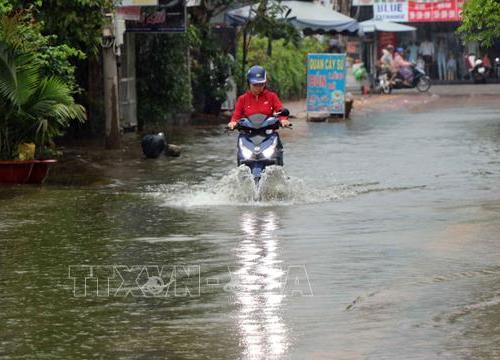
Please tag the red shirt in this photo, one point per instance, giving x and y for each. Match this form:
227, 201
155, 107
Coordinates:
248, 104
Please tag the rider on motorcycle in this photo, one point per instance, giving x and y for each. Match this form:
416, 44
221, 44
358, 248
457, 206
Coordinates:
385, 61
402, 67
258, 99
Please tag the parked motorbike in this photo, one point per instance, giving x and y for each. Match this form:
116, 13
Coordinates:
259, 144
420, 81
479, 72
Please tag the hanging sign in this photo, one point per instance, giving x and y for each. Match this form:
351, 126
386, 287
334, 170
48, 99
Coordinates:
129, 12
326, 83
442, 11
390, 10
167, 17
138, 3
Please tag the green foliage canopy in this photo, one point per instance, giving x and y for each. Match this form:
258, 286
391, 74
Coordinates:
77, 23
19, 29
481, 21
163, 86
33, 107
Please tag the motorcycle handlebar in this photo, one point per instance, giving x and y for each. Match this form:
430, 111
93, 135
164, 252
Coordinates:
283, 112
238, 127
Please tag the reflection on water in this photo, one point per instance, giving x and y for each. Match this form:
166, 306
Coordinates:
397, 219
258, 287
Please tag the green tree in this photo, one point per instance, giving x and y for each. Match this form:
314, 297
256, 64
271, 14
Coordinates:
481, 21
210, 63
269, 20
77, 24
163, 87
287, 66
33, 107
19, 29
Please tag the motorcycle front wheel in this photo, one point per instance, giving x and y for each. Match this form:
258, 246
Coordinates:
383, 86
424, 84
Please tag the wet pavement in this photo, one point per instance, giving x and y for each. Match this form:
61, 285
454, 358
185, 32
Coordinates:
379, 240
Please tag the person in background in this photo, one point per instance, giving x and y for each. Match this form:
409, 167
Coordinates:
487, 63
413, 52
386, 60
426, 49
469, 60
451, 67
334, 46
441, 60
420, 63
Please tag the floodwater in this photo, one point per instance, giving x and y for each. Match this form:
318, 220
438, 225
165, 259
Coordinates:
378, 241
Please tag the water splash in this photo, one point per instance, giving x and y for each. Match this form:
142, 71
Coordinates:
238, 188
276, 188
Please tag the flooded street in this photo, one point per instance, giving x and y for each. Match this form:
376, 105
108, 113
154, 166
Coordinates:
380, 241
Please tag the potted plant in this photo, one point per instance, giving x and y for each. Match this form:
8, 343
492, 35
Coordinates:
33, 109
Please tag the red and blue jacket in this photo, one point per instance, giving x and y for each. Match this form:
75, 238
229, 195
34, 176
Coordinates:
248, 104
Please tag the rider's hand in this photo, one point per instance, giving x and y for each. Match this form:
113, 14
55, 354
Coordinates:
285, 123
231, 125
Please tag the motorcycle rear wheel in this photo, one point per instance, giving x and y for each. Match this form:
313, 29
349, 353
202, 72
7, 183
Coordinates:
424, 84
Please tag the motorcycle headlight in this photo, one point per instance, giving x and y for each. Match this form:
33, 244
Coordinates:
481, 70
269, 152
245, 152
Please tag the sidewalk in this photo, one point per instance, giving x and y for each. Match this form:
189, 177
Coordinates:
365, 104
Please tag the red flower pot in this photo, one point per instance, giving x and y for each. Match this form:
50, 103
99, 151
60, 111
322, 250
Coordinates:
24, 172
40, 171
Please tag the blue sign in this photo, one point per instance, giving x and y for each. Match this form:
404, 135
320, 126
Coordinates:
326, 83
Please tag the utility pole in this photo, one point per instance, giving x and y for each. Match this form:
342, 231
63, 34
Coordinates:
111, 99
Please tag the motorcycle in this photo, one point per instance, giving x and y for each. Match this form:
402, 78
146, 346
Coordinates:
259, 144
420, 81
479, 72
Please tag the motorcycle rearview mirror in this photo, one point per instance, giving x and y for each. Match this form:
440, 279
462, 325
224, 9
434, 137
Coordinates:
283, 112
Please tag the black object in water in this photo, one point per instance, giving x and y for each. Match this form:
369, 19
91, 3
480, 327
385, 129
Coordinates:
153, 145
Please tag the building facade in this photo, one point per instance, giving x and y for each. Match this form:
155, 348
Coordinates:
435, 43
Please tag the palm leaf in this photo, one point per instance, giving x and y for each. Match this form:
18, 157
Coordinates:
28, 77
53, 107
32, 108
8, 76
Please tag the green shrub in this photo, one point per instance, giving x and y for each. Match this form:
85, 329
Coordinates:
33, 107
19, 29
163, 87
287, 67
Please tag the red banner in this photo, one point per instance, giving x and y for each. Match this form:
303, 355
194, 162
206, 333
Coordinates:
432, 11
384, 39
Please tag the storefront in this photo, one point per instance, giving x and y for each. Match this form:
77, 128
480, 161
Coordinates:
435, 43
438, 44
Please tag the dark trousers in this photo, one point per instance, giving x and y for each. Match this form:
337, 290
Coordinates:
428, 64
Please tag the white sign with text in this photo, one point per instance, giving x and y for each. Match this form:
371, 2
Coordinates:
390, 10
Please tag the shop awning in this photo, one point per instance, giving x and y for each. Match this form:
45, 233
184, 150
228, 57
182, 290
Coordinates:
311, 18
386, 26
